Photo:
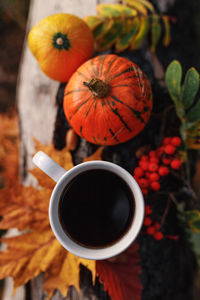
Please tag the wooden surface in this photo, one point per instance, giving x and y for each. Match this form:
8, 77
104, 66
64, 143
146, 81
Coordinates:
36, 95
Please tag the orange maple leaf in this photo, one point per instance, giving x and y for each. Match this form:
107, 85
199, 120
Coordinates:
36, 251
8, 147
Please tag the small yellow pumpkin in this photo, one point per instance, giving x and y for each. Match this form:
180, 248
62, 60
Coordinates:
61, 43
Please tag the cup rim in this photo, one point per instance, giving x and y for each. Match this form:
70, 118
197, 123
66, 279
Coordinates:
125, 241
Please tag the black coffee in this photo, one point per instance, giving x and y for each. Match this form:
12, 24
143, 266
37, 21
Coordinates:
96, 208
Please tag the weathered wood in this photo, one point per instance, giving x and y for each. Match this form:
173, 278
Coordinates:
36, 92
36, 95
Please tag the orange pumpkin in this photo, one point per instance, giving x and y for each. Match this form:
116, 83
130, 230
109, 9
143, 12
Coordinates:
61, 43
108, 100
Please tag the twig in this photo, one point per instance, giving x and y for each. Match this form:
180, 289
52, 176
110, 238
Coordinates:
165, 211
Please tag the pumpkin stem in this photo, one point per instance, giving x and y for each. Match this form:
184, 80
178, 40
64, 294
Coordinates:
98, 87
59, 41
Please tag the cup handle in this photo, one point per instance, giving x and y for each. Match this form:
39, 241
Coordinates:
48, 165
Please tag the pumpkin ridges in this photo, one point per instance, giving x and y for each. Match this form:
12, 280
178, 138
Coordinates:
110, 64
135, 112
115, 111
102, 60
75, 91
121, 114
79, 107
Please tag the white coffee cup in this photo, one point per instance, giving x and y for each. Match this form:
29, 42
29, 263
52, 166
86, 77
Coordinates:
63, 178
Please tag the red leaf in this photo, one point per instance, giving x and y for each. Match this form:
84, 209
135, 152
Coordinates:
122, 279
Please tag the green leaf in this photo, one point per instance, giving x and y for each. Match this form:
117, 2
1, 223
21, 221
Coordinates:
173, 79
130, 29
147, 4
195, 240
101, 29
141, 34
193, 135
111, 36
155, 32
194, 113
192, 215
140, 7
93, 21
190, 87
167, 34
195, 225
115, 10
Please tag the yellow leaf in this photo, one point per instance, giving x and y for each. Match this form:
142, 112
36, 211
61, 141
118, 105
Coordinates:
130, 29
96, 155
8, 147
37, 251
140, 7
167, 36
141, 34
155, 32
147, 4
93, 21
115, 10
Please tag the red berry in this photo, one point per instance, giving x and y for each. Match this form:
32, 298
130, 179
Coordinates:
175, 164
144, 157
144, 191
166, 160
160, 151
158, 236
155, 185
144, 165
152, 153
157, 226
154, 176
138, 172
176, 141
148, 210
147, 221
154, 160
169, 149
153, 167
136, 178
163, 171
147, 175
167, 141
150, 230
143, 183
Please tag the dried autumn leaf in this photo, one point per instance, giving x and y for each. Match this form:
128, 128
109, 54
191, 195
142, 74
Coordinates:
122, 280
38, 250
30, 254
8, 146
96, 155
24, 207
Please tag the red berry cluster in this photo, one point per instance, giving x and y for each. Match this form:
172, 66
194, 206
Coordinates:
157, 164
152, 228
